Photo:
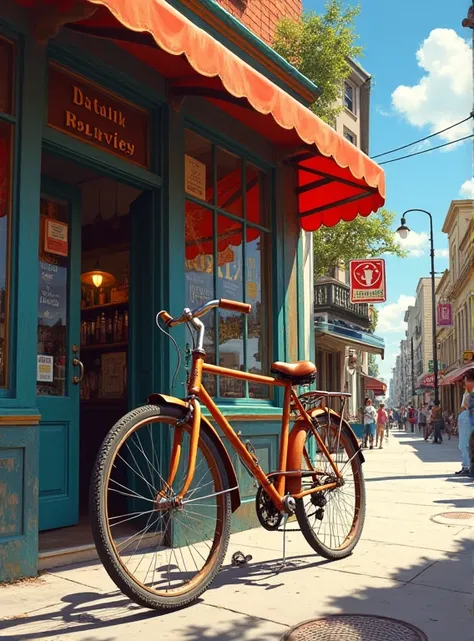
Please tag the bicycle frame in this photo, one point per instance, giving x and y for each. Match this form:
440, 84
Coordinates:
197, 394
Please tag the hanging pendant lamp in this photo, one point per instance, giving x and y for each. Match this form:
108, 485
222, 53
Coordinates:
98, 278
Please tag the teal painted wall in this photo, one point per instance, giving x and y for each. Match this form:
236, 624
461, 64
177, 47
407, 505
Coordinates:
163, 255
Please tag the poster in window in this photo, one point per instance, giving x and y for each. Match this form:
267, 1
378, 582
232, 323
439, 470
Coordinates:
56, 237
195, 177
114, 375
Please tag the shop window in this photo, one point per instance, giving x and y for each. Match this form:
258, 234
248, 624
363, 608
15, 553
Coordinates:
227, 256
7, 124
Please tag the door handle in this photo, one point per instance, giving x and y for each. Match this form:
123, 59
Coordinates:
77, 363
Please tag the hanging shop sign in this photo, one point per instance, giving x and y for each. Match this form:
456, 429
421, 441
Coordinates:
444, 315
84, 110
367, 281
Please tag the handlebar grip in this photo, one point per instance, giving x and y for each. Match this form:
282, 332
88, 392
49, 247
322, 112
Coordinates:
235, 306
166, 318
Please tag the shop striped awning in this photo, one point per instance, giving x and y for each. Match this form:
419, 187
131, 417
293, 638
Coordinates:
456, 375
379, 388
336, 180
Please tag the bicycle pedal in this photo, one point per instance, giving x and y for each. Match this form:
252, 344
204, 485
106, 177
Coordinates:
238, 559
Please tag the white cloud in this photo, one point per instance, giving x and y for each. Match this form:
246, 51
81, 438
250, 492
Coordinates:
442, 253
443, 96
391, 315
415, 243
467, 189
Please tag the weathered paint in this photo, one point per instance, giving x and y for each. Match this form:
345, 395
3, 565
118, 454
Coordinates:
158, 243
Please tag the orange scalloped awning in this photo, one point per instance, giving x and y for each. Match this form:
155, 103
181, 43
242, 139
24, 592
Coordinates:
336, 180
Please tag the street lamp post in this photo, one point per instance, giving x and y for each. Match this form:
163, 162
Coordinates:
403, 232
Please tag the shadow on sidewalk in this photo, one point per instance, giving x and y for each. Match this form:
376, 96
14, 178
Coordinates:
427, 451
87, 612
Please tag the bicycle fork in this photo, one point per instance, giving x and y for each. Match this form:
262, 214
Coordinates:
163, 500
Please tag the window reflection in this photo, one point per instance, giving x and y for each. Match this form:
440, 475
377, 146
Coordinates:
199, 275
258, 340
229, 182
219, 265
230, 286
52, 305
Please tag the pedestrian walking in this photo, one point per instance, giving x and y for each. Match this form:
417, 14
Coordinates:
422, 420
465, 425
382, 420
390, 421
370, 416
437, 422
412, 418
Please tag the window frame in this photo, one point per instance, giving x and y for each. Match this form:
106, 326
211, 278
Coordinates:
350, 136
352, 87
246, 158
12, 119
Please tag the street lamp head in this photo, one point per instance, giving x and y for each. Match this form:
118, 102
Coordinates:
403, 230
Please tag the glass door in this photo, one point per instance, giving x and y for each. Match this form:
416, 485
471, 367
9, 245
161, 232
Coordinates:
59, 368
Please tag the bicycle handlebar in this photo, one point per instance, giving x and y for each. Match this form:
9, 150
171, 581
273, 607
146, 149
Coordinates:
189, 315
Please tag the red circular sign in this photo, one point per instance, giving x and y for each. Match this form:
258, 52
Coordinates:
368, 275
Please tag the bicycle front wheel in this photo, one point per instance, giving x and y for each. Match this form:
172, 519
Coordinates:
160, 558
332, 521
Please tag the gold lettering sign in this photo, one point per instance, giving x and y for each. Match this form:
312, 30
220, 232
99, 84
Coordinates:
81, 109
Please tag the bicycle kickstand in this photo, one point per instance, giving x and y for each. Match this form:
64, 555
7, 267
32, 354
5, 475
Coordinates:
283, 561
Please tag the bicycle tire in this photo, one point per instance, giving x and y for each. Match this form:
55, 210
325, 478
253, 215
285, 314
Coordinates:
106, 549
357, 524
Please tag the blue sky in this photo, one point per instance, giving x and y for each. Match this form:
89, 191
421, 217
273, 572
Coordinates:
417, 52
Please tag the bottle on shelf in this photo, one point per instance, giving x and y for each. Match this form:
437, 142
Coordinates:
103, 329
110, 337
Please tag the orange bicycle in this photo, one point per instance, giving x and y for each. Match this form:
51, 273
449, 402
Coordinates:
164, 486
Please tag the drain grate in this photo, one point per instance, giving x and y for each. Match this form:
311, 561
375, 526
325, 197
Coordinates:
355, 627
461, 516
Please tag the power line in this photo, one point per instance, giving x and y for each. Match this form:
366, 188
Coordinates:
392, 151
425, 151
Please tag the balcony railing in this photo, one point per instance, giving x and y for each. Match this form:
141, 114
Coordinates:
335, 297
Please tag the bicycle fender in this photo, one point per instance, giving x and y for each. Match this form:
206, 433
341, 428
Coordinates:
296, 443
161, 400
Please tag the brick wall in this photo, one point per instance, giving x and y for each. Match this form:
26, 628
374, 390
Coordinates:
262, 16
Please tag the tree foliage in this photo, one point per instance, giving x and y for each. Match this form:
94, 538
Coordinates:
361, 238
373, 366
319, 46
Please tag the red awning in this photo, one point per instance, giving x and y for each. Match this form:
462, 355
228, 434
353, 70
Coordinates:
372, 384
336, 180
427, 381
456, 375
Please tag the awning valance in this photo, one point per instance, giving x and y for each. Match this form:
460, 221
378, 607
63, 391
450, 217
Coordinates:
426, 381
351, 337
371, 384
336, 180
456, 375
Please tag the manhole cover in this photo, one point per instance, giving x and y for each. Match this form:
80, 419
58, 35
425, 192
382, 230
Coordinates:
462, 516
355, 627
450, 518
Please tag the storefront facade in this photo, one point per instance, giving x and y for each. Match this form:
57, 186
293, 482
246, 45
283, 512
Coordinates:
127, 187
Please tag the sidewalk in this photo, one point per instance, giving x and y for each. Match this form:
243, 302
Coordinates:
407, 567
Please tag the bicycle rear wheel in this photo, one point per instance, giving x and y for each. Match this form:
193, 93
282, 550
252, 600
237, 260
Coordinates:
332, 521
160, 558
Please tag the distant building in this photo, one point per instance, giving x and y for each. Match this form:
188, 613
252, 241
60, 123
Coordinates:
343, 336
456, 291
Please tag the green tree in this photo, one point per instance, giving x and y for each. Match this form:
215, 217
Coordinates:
361, 238
319, 46
373, 367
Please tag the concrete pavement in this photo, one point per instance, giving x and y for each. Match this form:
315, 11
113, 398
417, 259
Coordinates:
406, 566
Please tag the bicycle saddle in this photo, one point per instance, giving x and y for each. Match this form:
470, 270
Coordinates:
299, 373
